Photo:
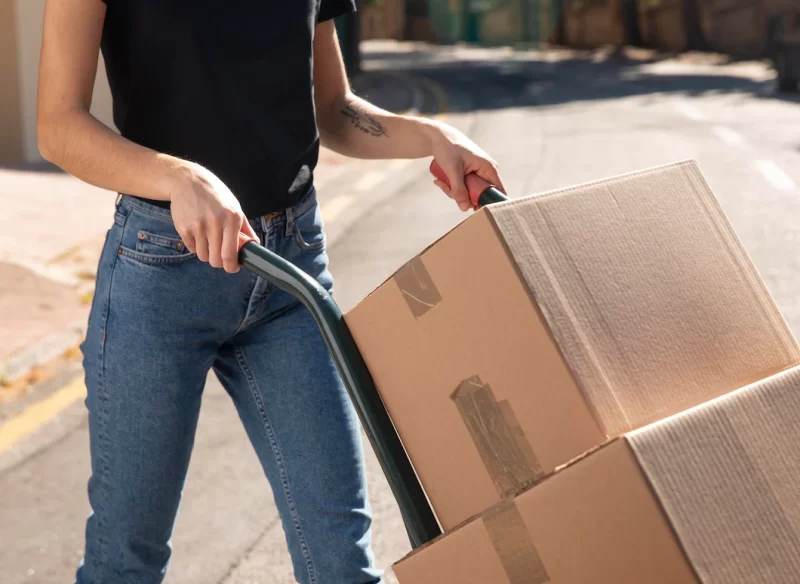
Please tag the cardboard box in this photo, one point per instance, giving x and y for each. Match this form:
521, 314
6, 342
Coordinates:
539, 328
710, 496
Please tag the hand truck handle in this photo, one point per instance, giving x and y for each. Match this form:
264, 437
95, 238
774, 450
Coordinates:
418, 516
481, 193
421, 523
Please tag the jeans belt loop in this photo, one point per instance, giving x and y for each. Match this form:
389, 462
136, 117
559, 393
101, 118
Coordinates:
264, 229
289, 220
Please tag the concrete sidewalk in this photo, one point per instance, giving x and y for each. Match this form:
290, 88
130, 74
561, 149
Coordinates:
52, 229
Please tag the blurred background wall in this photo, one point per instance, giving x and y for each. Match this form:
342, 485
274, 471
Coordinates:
20, 45
743, 28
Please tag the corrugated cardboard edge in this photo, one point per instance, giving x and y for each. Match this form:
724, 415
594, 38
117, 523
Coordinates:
418, 256
676, 496
478, 516
789, 370
667, 519
540, 569
724, 230
737, 250
537, 307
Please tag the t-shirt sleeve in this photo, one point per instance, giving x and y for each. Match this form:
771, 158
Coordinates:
329, 9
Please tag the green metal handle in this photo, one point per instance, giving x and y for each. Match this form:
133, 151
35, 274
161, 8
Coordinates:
491, 195
420, 521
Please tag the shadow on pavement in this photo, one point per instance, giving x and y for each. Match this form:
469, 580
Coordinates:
498, 83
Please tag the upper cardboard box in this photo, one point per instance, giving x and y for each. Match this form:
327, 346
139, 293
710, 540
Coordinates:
710, 496
539, 328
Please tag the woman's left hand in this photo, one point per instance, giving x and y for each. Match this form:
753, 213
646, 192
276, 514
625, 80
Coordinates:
459, 156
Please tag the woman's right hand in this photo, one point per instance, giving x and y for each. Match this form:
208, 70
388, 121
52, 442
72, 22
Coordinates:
209, 218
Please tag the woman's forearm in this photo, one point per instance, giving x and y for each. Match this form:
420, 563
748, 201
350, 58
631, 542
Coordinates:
354, 127
84, 147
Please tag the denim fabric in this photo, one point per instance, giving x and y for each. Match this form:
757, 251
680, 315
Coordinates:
160, 320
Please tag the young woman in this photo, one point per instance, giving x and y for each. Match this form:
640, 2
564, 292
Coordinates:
221, 107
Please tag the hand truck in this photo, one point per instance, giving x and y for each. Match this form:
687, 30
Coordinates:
418, 516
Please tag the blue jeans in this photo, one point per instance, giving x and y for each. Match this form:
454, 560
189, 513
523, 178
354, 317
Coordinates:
160, 320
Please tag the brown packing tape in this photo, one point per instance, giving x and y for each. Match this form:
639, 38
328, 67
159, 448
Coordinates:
498, 436
417, 287
513, 545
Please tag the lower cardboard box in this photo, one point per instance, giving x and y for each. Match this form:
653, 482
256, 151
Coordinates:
708, 496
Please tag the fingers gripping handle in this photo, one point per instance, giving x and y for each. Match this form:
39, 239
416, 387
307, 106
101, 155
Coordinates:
244, 239
475, 184
481, 193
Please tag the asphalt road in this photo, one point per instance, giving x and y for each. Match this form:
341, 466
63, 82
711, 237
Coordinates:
550, 123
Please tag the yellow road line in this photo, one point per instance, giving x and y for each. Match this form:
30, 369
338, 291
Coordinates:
33, 417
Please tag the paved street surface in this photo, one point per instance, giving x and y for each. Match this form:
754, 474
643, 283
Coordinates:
551, 120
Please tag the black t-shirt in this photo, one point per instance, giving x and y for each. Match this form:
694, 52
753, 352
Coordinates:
224, 83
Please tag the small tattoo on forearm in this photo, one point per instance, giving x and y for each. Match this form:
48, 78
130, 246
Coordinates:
364, 122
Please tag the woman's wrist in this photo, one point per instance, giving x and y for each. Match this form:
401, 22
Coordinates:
175, 177
434, 133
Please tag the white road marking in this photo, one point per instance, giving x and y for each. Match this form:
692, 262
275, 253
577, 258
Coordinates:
690, 111
369, 181
730, 137
336, 207
776, 176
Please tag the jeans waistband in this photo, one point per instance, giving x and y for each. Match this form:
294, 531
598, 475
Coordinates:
305, 203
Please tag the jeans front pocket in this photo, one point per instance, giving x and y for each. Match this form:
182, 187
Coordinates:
153, 241
154, 244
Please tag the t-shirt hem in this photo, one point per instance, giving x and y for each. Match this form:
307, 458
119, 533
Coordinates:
330, 10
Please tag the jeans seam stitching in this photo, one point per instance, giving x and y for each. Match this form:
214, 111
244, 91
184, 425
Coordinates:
251, 382
173, 243
153, 259
247, 319
304, 245
102, 406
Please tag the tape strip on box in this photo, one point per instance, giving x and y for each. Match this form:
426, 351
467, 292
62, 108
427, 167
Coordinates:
417, 287
498, 436
513, 545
